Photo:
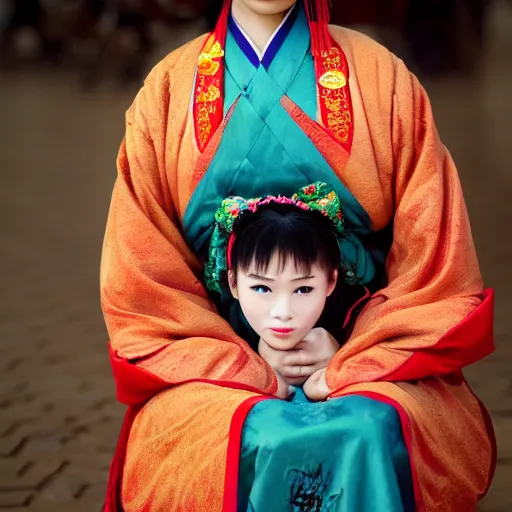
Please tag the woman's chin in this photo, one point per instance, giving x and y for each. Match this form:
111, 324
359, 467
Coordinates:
269, 7
282, 343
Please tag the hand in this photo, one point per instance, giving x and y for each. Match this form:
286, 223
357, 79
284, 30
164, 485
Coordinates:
316, 387
313, 353
284, 390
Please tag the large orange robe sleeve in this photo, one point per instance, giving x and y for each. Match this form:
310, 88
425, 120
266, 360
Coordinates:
163, 329
433, 317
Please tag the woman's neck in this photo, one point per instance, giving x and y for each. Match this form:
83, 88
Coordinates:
258, 27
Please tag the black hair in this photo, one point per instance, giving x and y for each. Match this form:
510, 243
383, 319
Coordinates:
307, 237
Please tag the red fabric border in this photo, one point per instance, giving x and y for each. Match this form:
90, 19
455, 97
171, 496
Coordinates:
208, 113
335, 61
406, 428
134, 385
321, 137
452, 352
115, 475
233, 456
210, 150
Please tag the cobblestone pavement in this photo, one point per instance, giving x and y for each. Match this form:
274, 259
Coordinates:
58, 416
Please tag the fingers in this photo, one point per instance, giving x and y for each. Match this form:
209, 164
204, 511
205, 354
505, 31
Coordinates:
284, 389
299, 358
306, 358
297, 365
294, 366
316, 387
299, 371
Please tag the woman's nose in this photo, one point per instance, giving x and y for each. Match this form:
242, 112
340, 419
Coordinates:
281, 309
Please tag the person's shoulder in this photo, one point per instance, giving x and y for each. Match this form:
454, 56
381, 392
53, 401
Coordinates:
362, 50
171, 77
179, 65
375, 67
360, 45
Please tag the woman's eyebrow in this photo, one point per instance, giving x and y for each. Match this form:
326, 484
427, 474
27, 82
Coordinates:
303, 278
265, 278
261, 278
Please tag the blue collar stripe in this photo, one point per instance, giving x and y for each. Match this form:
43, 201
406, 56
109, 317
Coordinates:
242, 42
279, 39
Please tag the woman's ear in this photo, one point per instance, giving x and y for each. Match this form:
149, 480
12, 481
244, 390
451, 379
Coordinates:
332, 284
232, 284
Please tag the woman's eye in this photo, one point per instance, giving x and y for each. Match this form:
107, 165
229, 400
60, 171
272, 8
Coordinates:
261, 288
304, 290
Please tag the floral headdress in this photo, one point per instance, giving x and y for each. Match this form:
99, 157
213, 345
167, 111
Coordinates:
318, 197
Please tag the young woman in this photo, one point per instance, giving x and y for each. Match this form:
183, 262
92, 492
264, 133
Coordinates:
288, 238
282, 258
272, 100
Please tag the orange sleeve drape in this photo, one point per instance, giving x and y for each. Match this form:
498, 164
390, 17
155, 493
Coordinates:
156, 309
430, 319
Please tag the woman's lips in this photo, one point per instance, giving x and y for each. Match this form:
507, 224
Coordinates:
281, 331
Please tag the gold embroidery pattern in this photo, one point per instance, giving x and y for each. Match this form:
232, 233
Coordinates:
204, 111
212, 93
338, 116
208, 101
216, 51
332, 59
334, 96
212, 49
207, 66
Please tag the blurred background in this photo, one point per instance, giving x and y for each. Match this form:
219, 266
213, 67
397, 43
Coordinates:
68, 71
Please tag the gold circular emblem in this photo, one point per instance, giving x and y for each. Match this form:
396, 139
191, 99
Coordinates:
333, 80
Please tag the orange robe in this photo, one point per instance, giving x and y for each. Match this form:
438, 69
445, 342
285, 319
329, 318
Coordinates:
190, 380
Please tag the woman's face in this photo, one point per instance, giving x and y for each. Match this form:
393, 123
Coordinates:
282, 305
265, 7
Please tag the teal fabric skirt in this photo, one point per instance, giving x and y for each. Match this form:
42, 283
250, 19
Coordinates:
344, 455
